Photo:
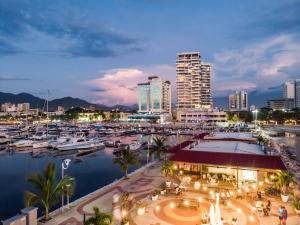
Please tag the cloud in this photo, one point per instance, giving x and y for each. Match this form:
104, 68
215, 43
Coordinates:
263, 64
98, 90
11, 78
278, 18
7, 49
120, 85
76, 37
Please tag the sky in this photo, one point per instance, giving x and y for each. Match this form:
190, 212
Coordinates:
100, 50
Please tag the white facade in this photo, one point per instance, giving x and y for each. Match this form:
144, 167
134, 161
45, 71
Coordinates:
23, 107
288, 90
213, 117
154, 96
193, 82
8, 107
238, 101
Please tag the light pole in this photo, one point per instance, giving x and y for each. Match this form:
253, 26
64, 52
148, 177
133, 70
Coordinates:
64, 165
148, 153
68, 186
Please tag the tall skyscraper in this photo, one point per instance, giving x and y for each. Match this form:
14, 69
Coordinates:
238, 101
288, 90
154, 96
297, 93
193, 82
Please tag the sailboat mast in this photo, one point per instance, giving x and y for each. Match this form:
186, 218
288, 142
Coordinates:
47, 111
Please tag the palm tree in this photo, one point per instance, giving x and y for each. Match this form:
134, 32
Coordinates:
47, 190
167, 168
99, 218
159, 146
283, 181
125, 159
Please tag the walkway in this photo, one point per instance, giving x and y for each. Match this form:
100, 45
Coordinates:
138, 185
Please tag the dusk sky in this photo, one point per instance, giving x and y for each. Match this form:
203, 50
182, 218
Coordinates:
99, 50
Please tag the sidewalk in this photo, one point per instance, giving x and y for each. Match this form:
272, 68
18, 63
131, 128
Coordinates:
138, 185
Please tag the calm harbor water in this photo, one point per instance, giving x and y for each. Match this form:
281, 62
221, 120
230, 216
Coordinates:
91, 173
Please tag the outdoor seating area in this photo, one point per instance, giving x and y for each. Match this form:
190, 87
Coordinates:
188, 199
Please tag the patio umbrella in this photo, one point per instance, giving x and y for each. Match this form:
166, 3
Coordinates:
212, 215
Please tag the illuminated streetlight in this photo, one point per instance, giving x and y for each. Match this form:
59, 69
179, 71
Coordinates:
64, 166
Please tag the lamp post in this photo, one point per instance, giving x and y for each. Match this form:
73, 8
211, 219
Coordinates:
148, 153
64, 165
68, 194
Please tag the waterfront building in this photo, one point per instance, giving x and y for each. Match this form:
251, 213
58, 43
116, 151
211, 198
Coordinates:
297, 93
193, 82
288, 90
205, 159
154, 96
8, 107
238, 101
23, 107
281, 104
205, 117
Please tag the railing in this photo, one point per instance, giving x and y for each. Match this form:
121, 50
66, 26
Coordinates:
79, 200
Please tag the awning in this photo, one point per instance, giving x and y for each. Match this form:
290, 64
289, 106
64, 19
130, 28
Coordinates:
229, 159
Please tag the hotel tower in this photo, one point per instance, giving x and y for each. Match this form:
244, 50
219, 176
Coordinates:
154, 96
193, 82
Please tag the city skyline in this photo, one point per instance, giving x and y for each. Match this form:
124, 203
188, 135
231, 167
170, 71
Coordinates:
97, 51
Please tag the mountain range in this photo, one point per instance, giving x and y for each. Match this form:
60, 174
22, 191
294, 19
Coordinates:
256, 98
66, 102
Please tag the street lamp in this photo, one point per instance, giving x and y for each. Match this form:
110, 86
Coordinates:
64, 165
148, 153
68, 194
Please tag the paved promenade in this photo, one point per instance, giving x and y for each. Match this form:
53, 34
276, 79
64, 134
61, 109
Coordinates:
142, 183
139, 185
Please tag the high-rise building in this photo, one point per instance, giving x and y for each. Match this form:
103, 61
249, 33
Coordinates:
8, 107
154, 96
238, 101
288, 90
193, 82
23, 107
297, 93
281, 104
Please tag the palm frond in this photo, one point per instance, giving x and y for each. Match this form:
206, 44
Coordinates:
31, 199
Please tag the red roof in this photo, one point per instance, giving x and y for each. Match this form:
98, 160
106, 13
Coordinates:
229, 159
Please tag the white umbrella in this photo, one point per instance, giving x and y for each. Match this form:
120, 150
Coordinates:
212, 215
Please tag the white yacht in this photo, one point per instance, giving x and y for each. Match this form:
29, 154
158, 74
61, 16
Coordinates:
23, 143
40, 136
134, 146
74, 144
41, 144
4, 139
59, 140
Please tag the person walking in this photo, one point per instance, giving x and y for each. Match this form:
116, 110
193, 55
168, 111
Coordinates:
284, 215
280, 213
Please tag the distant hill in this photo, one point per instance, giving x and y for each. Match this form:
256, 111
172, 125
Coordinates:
35, 102
66, 102
257, 98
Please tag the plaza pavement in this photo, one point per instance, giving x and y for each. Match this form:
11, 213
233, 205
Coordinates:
141, 184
